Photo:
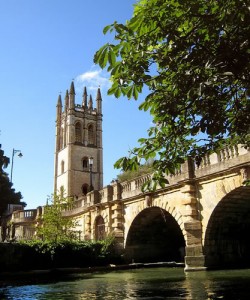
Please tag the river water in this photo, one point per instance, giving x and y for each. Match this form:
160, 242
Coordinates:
155, 283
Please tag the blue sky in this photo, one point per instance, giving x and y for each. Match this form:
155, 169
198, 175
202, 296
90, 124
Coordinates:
44, 45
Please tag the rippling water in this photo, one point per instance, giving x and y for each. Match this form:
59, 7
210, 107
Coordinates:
157, 283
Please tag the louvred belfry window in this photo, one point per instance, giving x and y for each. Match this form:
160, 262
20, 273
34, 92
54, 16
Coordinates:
91, 139
78, 132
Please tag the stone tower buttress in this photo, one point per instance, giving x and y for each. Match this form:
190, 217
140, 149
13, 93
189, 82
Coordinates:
78, 138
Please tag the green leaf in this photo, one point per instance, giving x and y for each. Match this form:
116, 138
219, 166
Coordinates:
106, 28
111, 58
103, 58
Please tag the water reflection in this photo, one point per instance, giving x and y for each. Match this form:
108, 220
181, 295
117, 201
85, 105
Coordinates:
159, 283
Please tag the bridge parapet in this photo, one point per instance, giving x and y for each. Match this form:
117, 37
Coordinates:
216, 162
228, 157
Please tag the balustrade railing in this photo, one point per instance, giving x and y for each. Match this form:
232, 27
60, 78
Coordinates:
133, 187
24, 215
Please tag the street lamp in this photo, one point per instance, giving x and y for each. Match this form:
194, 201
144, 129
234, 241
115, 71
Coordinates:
91, 161
12, 160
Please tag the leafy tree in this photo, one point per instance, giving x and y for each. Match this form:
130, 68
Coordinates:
7, 193
193, 58
147, 168
4, 160
54, 227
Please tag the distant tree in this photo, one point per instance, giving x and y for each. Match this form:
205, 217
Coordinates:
4, 160
7, 193
54, 227
146, 168
194, 58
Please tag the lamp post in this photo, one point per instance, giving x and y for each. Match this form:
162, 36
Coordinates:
12, 160
91, 160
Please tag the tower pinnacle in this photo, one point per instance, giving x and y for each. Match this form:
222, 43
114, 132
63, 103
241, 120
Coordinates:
72, 96
84, 98
99, 101
90, 104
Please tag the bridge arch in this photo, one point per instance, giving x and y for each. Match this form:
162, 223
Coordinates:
227, 242
154, 235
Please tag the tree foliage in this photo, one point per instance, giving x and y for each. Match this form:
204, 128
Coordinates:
54, 227
7, 192
194, 58
146, 168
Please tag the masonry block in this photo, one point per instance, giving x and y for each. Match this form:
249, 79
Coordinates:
116, 206
194, 250
188, 188
190, 211
192, 225
188, 200
194, 263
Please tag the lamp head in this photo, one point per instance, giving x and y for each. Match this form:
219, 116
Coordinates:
91, 160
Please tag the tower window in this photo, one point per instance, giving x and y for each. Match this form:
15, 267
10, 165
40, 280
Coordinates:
78, 132
85, 163
91, 137
85, 188
61, 139
62, 167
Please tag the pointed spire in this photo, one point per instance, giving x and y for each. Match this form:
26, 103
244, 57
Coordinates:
59, 105
72, 88
66, 100
59, 101
99, 101
84, 98
72, 96
90, 104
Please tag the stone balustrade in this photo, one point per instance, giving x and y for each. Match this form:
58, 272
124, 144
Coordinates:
23, 216
216, 162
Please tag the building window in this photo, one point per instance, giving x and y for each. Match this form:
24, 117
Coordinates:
99, 228
85, 188
61, 139
62, 167
78, 132
85, 163
91, 137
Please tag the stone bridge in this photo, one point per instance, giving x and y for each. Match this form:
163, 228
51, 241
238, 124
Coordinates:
202, 217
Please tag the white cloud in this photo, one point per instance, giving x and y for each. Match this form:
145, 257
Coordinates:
92, 79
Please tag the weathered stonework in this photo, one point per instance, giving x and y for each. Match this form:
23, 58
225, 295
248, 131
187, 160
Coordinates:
196, 201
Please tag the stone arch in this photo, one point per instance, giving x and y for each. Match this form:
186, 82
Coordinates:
154, 235
227, 242
176, 215
161, 203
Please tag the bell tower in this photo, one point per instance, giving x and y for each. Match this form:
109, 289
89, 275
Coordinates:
78, 150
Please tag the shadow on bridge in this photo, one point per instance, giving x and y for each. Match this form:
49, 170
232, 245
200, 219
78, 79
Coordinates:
154, 236
227, 242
